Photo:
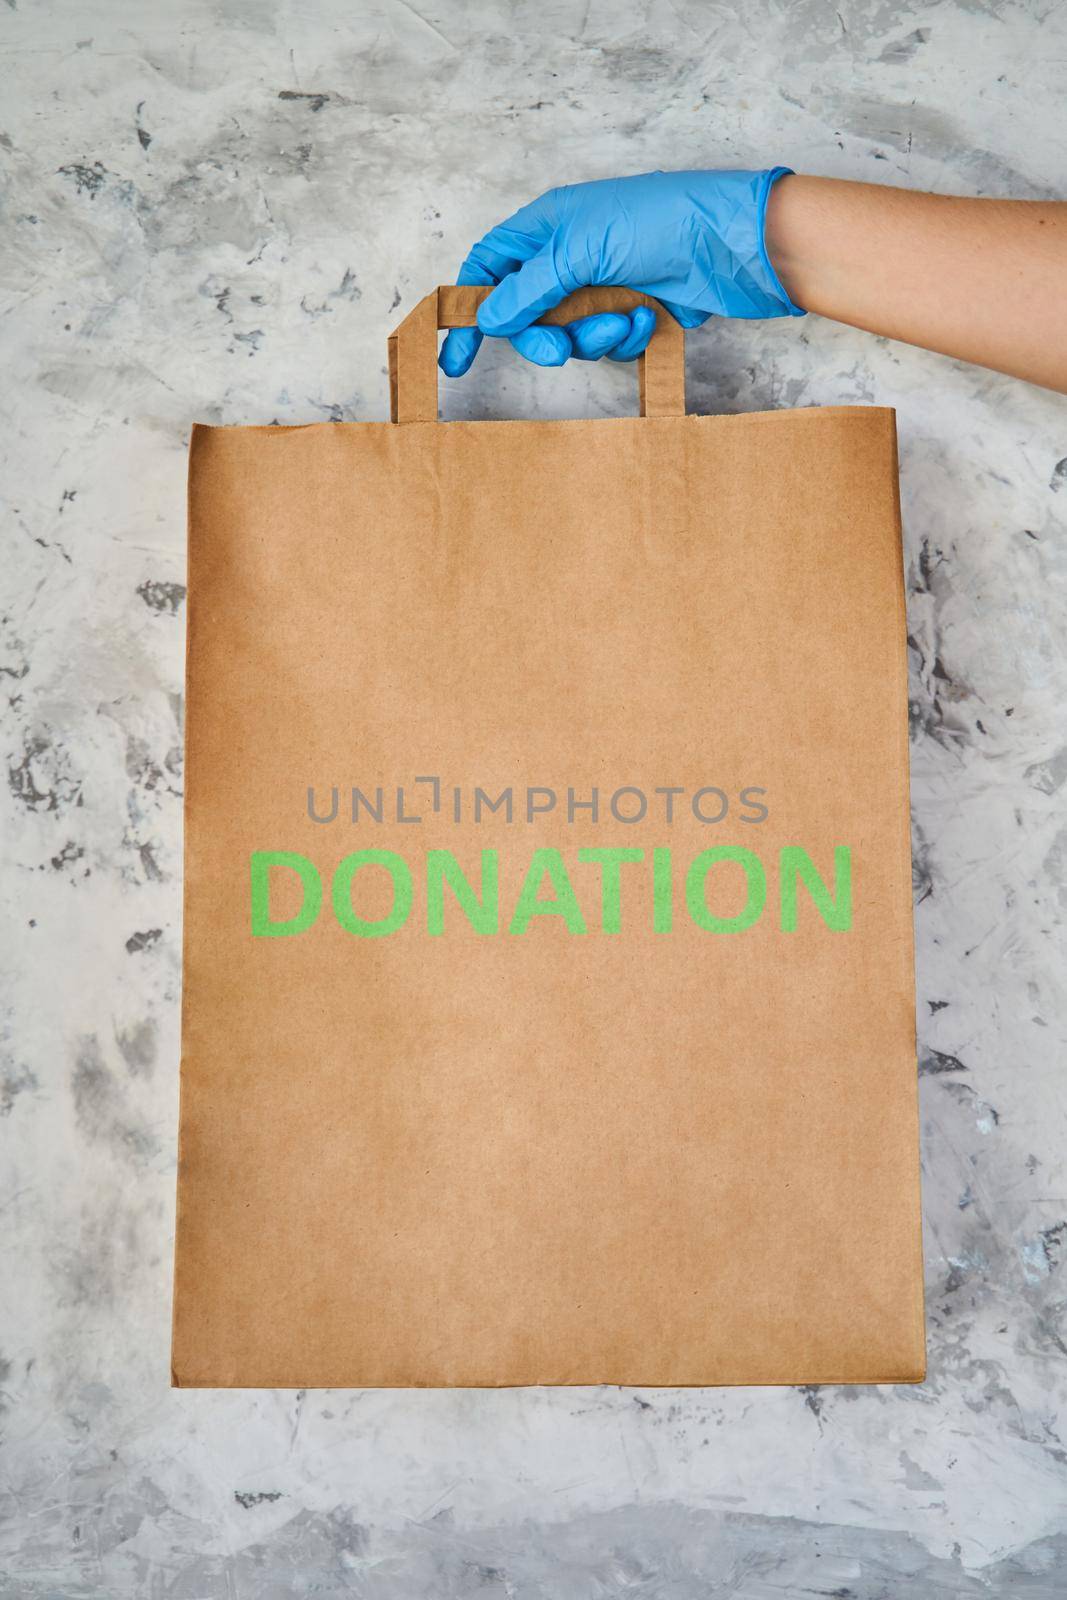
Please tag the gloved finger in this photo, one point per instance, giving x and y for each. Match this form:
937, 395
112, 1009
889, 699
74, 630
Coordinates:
522, 296
498, 253
515, 240
458, 351
642, 327
461, 344
546, 347
597, 335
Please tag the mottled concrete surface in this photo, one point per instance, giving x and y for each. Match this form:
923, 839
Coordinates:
216, 210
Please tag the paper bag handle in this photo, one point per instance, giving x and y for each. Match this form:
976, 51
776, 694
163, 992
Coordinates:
413, 348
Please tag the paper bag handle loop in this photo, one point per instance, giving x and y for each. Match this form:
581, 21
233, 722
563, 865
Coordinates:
413, 347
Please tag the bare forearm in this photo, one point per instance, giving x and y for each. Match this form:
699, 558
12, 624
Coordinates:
981, 280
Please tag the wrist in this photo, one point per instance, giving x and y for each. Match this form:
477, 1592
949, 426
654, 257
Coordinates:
782, 235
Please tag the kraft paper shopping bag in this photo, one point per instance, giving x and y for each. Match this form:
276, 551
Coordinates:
548, 995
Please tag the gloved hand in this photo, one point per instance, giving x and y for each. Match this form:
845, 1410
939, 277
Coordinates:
693, 240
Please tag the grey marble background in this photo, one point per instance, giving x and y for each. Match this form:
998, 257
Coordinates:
216, 209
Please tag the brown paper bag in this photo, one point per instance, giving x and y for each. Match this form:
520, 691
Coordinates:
548, 1009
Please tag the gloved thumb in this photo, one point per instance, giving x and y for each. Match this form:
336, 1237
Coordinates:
523, 296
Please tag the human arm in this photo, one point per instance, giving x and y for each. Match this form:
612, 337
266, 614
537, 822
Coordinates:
981, 280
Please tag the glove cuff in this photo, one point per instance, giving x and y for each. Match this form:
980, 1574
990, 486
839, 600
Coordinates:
767, 181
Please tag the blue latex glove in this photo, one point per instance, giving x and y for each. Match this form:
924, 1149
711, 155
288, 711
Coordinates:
692, 240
